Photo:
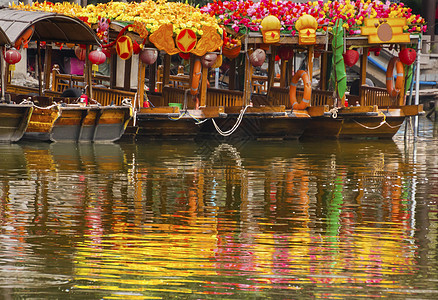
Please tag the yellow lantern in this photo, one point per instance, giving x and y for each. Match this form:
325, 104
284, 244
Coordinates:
271, 29
306, 26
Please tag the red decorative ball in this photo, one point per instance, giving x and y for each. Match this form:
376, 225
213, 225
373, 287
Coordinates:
257, 58
97, 57
12, 56
148, 55
407, 56
351, 57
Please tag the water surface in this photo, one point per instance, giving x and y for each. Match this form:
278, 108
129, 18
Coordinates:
209, 220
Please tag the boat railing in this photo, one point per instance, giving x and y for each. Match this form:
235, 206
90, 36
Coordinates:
106, 96
61, 82
375, 96
222, 97
280, 96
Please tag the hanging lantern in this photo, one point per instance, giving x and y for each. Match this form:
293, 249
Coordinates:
407, 56
148, 55
351, 57
271, 26
124, 47
285, 53
257, 58
80, 53
96, 57
12, 56
209, 59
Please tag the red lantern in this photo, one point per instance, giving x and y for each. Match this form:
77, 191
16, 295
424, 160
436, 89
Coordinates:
97, 57
149, 55
12, 56
285, 53
351, 57
407, 56
80, 53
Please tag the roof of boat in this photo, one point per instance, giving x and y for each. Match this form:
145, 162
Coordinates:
49, 27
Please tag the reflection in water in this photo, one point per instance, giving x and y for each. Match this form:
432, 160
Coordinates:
187, 220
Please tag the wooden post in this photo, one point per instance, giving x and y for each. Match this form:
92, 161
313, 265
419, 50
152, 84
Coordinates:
87, 74
271, 68
55, 70
310, 53
38, 65
47, 66
247, 81
290, 71
152, 77
113, 73
140, 83
323, 71
401, 95
204, 81
283, 73
232, 75
3, 66
166, 75
363, 73
127, 77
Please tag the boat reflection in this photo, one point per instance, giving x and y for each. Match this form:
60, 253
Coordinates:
161, 219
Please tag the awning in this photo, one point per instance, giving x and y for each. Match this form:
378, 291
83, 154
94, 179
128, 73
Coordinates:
49, 27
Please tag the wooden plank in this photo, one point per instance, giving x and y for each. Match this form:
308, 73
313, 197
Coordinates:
358, 109
152, 76
247, 81
113, 73
412, 110
323, 73
259, 109
317, 111
160, 110
212, 111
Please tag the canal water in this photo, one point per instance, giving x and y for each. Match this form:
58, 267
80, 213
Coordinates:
207, 220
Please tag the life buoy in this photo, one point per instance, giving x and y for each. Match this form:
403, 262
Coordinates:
394, 91
196, 77
24, 38
301, 74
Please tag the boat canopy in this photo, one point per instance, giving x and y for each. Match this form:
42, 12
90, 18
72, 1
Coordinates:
4, 40
49, 27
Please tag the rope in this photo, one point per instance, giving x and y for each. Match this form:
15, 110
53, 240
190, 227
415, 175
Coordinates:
26, 101
378, 126
236, 125
126, 102
334, 112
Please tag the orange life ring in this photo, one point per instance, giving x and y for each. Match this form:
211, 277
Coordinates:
24, 38
196, 77
394, 91
301, 74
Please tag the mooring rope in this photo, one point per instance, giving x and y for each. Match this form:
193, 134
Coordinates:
378, 126
235, 126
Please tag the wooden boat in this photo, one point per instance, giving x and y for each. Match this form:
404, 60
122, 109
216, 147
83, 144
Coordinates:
75, 123
58, 117
268, 106
14, 118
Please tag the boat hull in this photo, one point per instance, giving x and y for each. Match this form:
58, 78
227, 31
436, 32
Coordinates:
14, 119
79, 124
348, 127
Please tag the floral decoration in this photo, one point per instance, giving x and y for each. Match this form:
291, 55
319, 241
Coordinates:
243, 16
151, 13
